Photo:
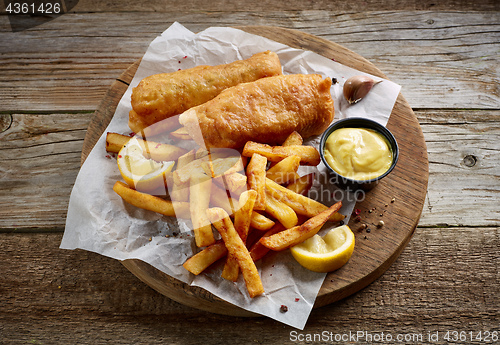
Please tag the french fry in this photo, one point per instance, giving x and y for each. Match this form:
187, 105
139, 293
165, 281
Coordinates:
243, 216
242, 220
199, 200
235, 246
308, 154
115, 141
184, 173
223, 166
181, 133
280, 211
233, 182
284, 171
160, 151
180, 191
203, 259
219, 198
256, 175
301, 204
293, 139
258, 250
152, 203
151, 149
298, 234
302, 184
231, 269
261, 222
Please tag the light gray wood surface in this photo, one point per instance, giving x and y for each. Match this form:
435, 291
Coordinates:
53, 76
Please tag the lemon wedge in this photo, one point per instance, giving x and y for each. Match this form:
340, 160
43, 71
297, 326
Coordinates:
140, 172
327, 253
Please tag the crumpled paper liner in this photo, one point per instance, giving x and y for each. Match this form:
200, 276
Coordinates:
99, 221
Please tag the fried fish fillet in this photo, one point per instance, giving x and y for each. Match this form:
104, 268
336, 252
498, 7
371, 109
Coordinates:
266, 111
164, 95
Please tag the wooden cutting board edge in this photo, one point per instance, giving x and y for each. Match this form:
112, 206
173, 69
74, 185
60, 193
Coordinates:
330, 292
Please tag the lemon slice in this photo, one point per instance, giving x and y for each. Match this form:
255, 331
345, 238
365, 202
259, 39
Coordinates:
327, 253
140, 172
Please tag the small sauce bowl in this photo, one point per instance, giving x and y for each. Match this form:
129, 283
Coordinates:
358, 122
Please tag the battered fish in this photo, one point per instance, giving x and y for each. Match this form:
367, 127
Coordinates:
266, 111
164, 95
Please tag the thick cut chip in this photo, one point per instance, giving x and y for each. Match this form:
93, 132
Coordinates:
299, 203
308, 154
298, 234
199, 201
203, 259
256, 178
152, 203
235, 246
280, 211
302, 184
284, 172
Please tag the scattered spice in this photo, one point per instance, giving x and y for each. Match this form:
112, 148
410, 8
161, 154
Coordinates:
341, 222
381, 224
131, 134
357, 211
297, 299
185, 57
283, 308
119, 156
108, 156
368, 230
363, 227
334, 80
358, 219
393, 199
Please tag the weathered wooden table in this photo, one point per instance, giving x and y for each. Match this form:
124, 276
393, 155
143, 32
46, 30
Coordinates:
54, 76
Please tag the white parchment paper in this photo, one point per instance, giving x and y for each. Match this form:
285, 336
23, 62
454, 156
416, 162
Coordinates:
99, 221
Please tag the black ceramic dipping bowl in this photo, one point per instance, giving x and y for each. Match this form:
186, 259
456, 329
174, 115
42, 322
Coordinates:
359, 122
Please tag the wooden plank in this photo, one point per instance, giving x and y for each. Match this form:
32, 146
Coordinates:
83, 53
39, 161
293, 5
60, 294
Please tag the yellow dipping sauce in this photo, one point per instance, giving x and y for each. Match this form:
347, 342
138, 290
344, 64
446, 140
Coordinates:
358, 153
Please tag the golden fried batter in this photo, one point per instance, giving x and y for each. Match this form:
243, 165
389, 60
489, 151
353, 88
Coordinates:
161, 96
266, 111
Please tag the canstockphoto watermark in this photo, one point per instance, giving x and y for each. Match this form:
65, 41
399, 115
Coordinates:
27, 14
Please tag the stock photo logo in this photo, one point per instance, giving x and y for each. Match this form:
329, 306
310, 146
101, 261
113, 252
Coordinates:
25, 15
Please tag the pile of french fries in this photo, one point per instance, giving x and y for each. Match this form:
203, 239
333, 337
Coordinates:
255, 199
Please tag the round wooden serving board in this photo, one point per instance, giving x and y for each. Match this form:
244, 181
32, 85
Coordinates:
374, 251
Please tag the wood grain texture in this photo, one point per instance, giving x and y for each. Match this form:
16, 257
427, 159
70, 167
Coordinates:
73, 69
59, 293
